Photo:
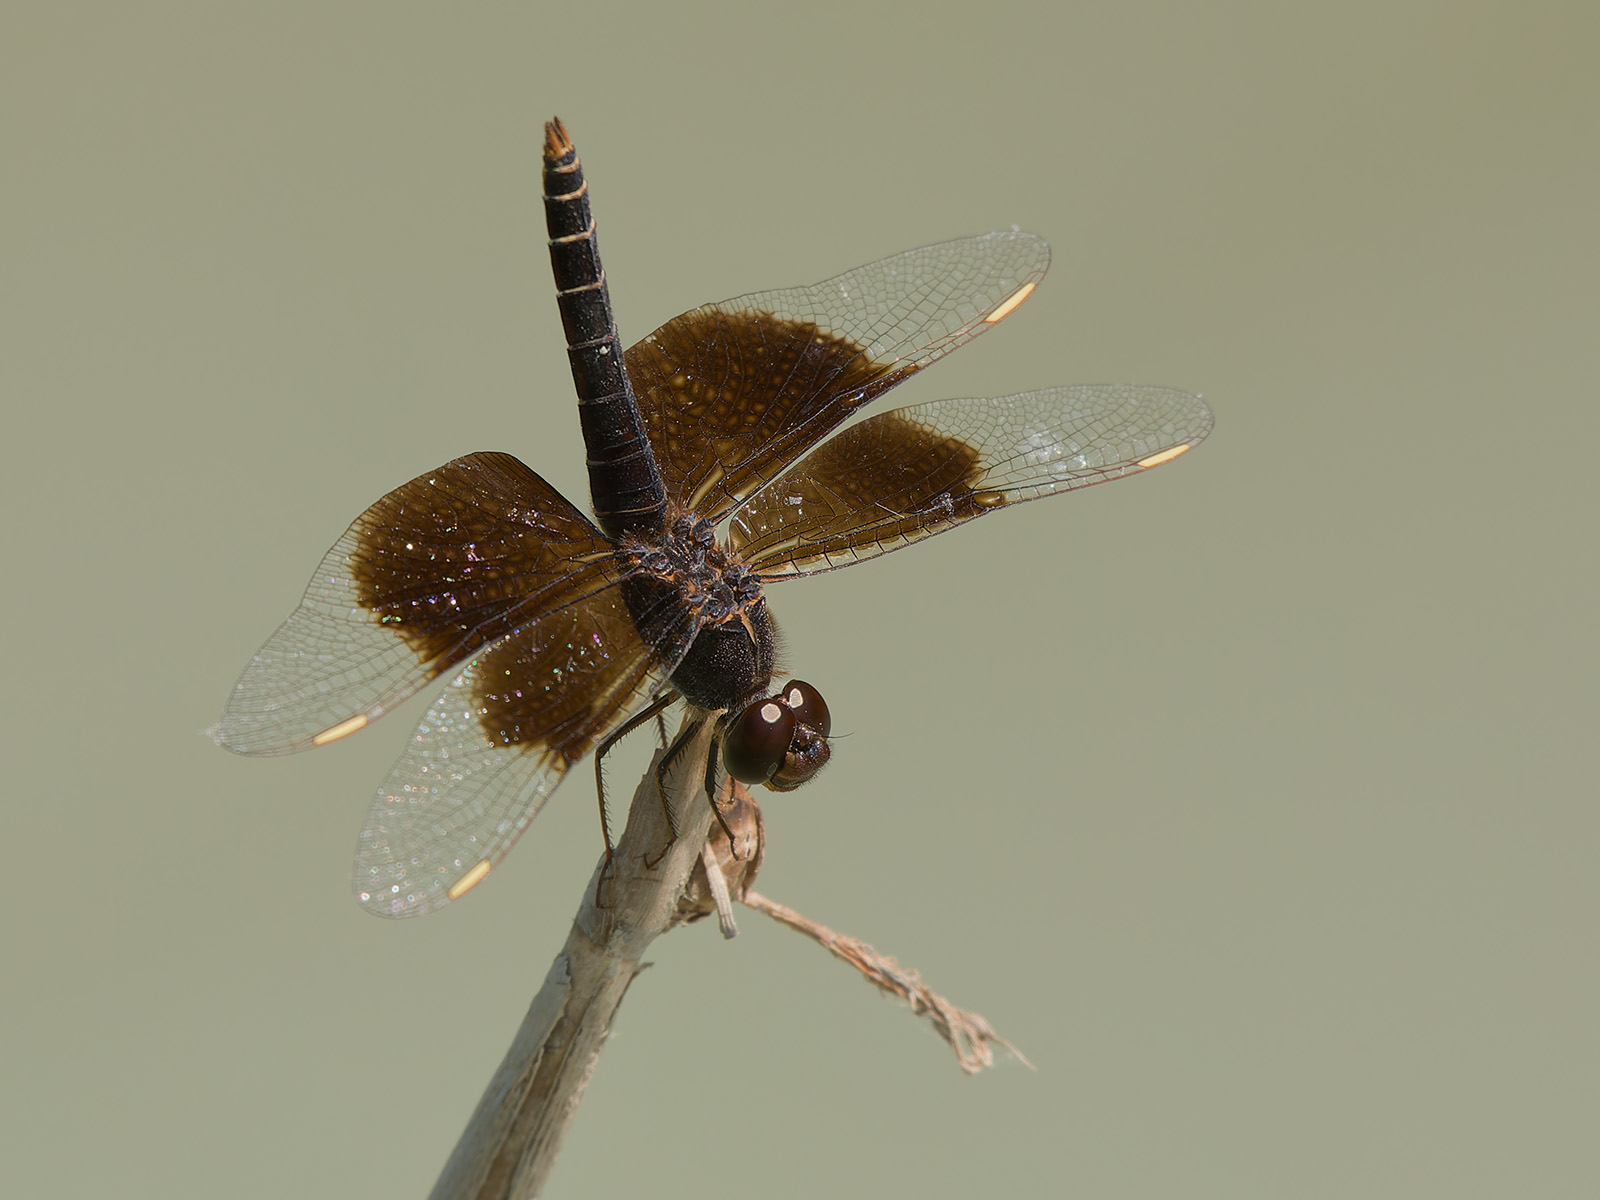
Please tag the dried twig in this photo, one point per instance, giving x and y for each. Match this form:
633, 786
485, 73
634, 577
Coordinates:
725, 870
971, 1037
968, 1034
514, 1136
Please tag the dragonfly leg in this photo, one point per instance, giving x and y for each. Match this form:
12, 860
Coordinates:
711, 795
679, 745
652, 710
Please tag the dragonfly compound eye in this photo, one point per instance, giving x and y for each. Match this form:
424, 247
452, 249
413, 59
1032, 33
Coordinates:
757, 742
808, 706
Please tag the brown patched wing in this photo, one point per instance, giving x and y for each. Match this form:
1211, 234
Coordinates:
432, 573
498, 740
733, 393
908, 474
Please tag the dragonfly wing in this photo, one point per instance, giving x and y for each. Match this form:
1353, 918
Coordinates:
732, 393
438, 569
905, 475
498, 741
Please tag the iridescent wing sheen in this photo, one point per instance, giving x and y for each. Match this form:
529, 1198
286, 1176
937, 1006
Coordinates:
733, 393
499, 739
431, 574
905, 475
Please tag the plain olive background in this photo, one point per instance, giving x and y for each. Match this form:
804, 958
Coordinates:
1253, 800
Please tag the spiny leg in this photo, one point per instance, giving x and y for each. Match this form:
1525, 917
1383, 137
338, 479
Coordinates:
711, 795
622, 731
679, 745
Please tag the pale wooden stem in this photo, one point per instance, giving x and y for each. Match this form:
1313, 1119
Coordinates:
514, 1136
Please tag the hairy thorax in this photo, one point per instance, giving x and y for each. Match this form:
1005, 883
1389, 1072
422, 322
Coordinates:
687, 579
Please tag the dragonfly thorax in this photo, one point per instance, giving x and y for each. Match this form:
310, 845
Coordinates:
688, 571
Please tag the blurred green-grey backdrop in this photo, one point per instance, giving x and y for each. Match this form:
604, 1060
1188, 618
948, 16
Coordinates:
1254, 800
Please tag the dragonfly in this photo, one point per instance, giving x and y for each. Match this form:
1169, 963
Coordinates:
712, 476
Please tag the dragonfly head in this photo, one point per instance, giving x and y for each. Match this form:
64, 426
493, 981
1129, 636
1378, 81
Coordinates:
781, 740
